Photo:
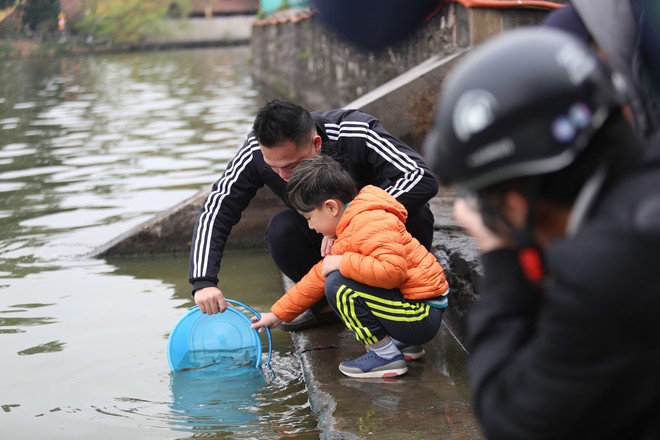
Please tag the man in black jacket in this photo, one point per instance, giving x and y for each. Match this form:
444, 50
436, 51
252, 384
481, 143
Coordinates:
563, 200
283, 135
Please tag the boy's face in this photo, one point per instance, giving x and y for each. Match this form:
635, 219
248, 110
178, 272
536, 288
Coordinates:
325, 219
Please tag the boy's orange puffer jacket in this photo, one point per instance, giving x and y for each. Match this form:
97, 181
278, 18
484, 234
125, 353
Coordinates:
376, 250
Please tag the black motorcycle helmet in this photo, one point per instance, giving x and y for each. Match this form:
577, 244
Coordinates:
522, 104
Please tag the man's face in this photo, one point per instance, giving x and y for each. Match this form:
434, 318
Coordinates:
286, 156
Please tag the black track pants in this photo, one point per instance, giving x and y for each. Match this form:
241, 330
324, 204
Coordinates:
373, 313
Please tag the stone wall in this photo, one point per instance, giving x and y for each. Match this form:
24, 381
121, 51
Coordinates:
303, 61
195, 32
299, 59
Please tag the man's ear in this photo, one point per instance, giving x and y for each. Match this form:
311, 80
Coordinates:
332, 206
317, 142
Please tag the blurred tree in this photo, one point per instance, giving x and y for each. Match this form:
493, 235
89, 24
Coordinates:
126, 21
41, 15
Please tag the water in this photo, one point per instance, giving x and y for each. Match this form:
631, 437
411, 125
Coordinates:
221, 360
90, 147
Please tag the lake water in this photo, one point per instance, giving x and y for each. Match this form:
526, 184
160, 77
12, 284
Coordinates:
90, 147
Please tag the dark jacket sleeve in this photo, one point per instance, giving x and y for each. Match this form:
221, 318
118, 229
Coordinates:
374, 157
229, 197
500, 324
580, 361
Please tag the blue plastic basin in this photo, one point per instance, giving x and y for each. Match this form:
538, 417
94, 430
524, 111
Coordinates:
198, 340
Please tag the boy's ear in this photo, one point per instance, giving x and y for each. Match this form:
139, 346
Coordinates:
332, 206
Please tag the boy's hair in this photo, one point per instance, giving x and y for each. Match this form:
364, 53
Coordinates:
316, 180
279, 121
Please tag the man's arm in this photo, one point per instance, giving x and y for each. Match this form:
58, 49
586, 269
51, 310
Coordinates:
392, 165
229, 197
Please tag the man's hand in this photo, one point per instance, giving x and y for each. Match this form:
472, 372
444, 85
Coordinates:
210, 300
326, 245
471, 221
330, 264
268, 319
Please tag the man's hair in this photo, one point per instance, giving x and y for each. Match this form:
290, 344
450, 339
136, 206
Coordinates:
615, 143
316, 180
280, 121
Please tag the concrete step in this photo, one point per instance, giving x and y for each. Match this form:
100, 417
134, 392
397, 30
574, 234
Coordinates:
431, 401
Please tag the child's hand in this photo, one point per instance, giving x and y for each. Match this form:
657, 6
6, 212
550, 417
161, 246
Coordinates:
326, 245
268, 319
330, 264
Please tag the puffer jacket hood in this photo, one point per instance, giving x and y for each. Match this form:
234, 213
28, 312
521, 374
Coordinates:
371, 198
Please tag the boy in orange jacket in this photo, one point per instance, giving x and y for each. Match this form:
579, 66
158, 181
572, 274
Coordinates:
386, 287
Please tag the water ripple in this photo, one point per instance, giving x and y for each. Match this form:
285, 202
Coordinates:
242, 404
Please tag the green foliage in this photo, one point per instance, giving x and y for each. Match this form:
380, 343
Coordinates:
41, 15
7, 3
303, 55
8, 52
51, 50
126, 21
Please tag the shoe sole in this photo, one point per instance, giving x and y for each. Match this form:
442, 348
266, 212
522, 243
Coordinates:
414, 356
393, 372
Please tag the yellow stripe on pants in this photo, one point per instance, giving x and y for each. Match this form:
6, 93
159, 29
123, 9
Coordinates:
399, 311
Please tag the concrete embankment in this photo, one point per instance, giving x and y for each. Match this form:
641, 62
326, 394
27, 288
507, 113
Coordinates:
175, 33
233, 29
171, 231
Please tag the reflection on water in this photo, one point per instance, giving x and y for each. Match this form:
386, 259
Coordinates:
212, 397
93, 146
90, 147
234, 403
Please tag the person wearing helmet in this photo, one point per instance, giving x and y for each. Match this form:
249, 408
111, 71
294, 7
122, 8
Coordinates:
563, 200
619, 31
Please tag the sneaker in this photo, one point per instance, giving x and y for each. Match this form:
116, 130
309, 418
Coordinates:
372, 365
411, 352
307, 319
